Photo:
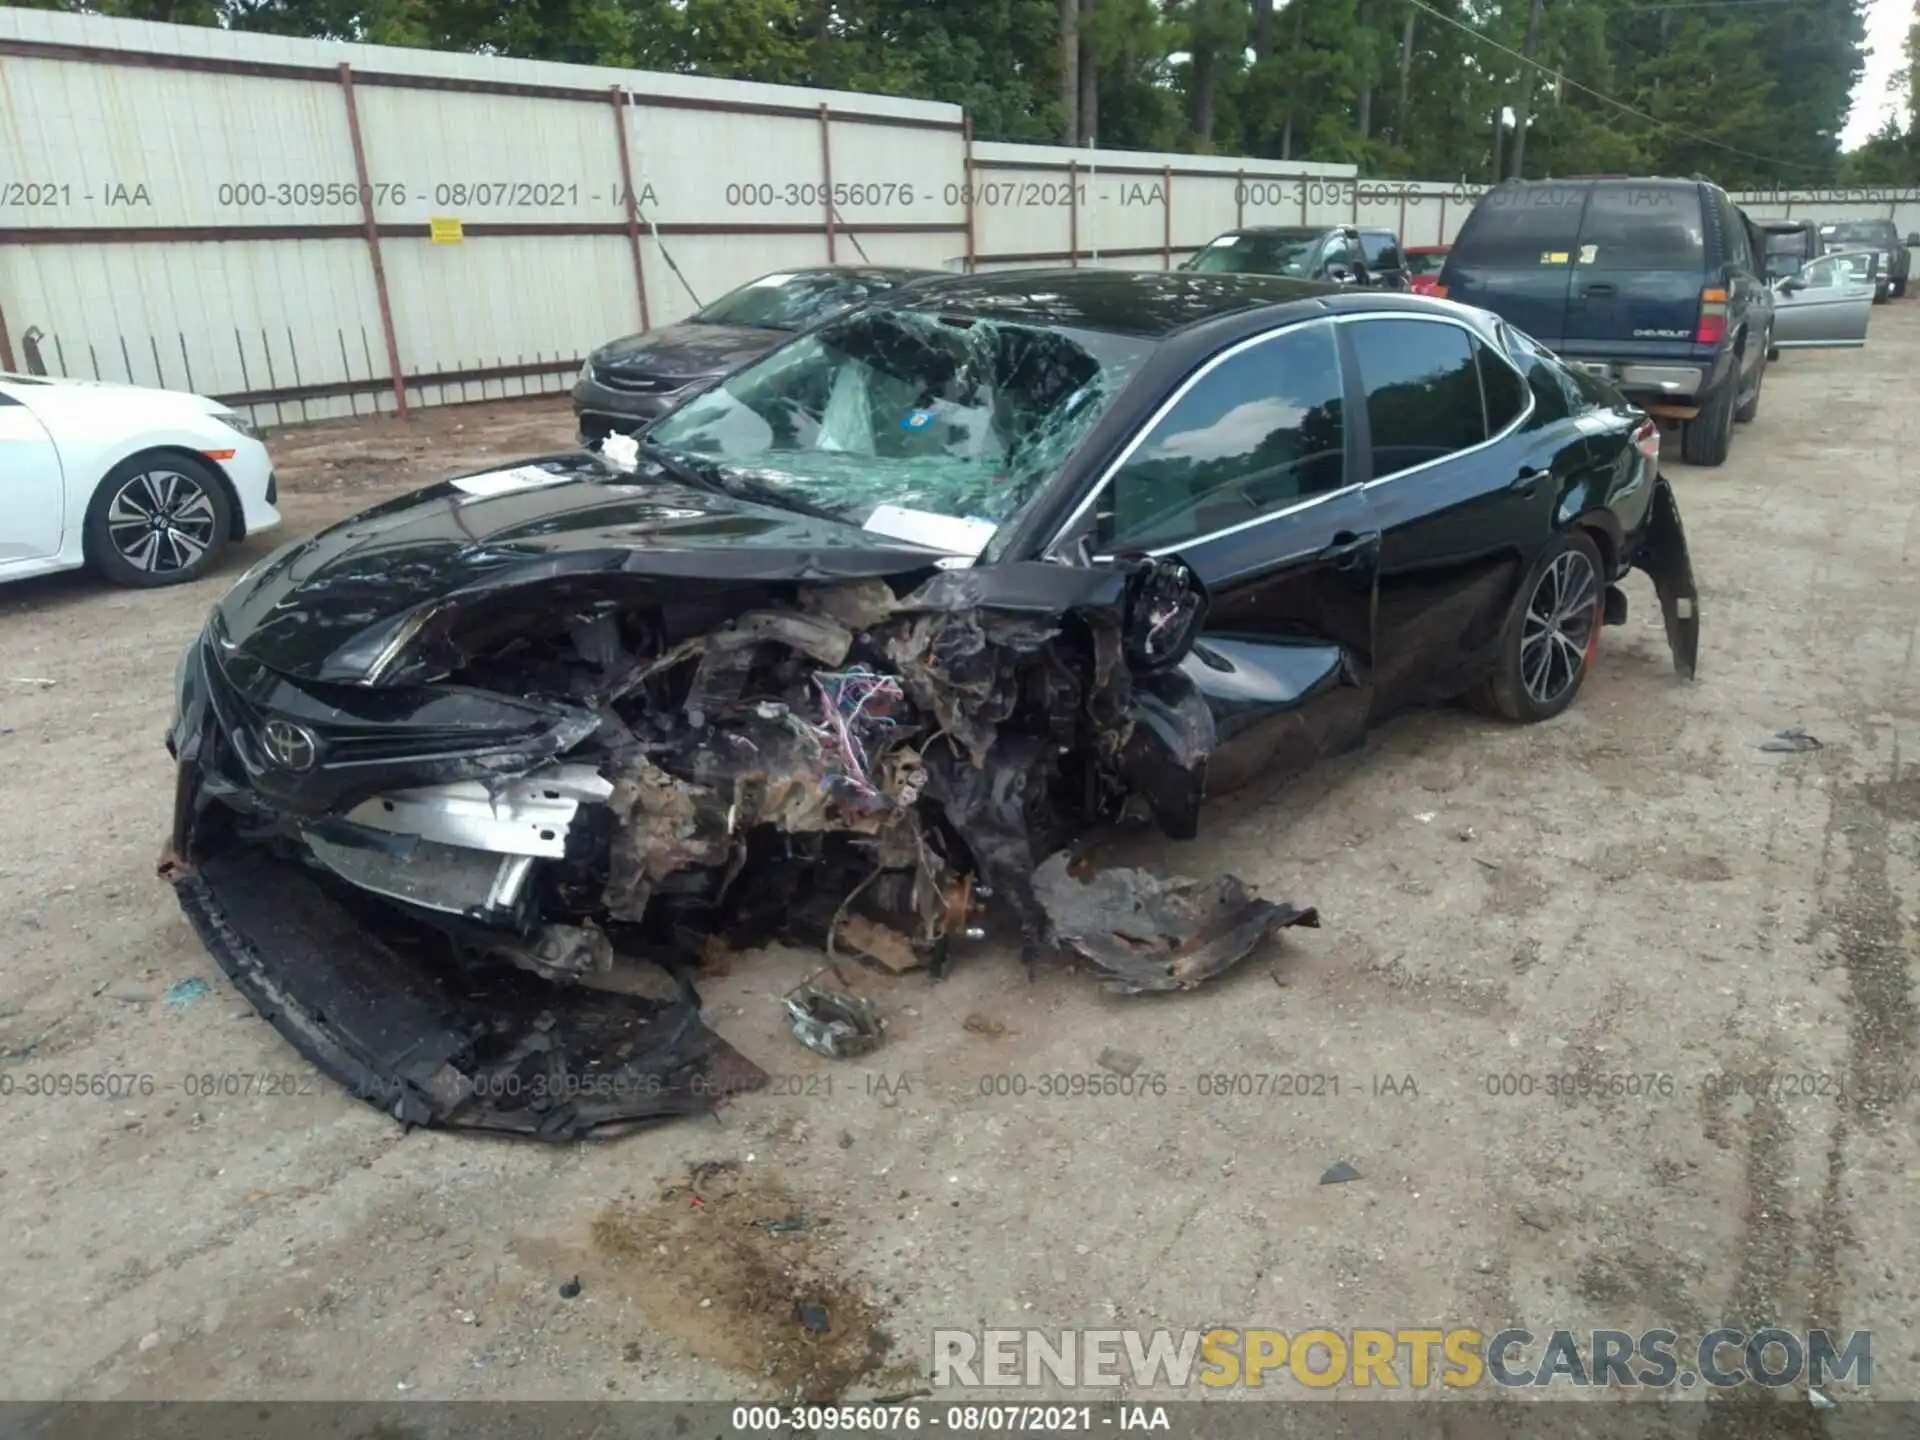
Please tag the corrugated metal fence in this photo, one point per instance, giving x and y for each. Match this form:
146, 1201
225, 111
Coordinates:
310, 229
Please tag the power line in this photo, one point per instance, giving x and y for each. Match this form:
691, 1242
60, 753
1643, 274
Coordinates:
1606, 99
1703, 5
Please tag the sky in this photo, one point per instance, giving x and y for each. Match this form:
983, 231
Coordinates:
1887, 22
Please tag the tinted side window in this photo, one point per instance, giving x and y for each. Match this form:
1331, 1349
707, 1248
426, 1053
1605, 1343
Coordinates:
1739, 242
1556, 390
1380, 251
1504, 391
1516, 227
1259, 431
1339, 249
1644, 227
1423, 391
1555, 395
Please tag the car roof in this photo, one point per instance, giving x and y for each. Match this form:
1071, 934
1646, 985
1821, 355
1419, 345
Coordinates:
1595, 182
1282, 230
897, 273
1151, 303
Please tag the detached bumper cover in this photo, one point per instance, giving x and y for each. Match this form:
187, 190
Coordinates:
1664, 556
435, 1044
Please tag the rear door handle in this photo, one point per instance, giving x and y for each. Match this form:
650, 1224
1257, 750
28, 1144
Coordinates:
1599, 291
1527, 481
1347, 549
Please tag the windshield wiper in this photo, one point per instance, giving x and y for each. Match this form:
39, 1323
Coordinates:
720, 482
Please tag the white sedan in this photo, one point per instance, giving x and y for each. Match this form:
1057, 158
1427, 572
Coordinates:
146, 487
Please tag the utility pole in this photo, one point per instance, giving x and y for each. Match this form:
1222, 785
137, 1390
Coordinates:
1069, 11
1525, 116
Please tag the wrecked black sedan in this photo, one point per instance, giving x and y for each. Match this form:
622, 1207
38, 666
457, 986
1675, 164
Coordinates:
857, 648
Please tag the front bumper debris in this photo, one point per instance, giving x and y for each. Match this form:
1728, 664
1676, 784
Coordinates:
434, 1043
441, 927
1664, 556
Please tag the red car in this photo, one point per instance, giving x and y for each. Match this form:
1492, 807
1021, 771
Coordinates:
1423, 266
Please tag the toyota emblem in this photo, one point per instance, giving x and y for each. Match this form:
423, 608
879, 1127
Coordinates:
289, 746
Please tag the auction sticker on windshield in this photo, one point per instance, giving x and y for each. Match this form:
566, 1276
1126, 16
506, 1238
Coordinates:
504, 482
937, 532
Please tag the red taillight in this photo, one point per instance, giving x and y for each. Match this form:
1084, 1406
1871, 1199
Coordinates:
1647, 440
1713, 316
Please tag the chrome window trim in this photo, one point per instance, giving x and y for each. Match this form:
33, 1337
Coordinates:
1461, 322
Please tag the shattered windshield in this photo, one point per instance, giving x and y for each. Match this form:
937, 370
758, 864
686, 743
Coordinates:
793, 302
1860, 232
1257, 254
950, 417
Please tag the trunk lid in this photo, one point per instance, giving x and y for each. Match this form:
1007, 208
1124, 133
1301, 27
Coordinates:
1514, 256
1639, 264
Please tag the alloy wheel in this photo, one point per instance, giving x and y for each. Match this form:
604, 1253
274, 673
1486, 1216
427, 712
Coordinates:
161, 521
1562, 616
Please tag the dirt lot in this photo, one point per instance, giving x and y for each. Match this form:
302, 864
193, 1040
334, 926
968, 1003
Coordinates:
1635, 889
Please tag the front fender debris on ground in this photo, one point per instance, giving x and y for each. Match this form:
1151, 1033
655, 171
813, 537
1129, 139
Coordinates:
1152, 934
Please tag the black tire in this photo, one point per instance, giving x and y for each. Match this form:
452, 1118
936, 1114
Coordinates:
157, 519
1750, 407
1705, 439
1900, 288
1538, 675
1773, 353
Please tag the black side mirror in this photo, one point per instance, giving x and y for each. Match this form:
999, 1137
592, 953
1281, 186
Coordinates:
1341, 273
1913, 237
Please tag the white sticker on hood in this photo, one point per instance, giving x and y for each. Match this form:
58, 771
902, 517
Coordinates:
504, 482
936, 532
769, 280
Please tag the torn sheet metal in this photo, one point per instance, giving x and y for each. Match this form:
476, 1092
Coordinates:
1668, 563
1155, 934
437, 1043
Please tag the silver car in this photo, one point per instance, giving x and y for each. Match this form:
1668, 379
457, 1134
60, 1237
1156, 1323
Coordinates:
1828, 303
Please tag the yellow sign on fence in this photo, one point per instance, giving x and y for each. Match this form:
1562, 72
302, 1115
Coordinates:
445, 230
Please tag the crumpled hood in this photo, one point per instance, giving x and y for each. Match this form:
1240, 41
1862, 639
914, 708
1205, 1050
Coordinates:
688, 351
326, 608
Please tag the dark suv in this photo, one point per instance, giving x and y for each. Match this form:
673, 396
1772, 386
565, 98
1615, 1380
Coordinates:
1657, 285
1881, 235
1344, 254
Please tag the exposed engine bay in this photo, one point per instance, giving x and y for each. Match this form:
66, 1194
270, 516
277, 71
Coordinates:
876, 766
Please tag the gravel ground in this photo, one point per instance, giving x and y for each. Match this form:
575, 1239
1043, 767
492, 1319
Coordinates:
1634, 889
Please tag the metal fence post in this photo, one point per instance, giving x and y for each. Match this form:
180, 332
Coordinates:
1239, 198
373, 240
966, 182
826, 178
620, 109
1166, 217
1073, 213
6, 346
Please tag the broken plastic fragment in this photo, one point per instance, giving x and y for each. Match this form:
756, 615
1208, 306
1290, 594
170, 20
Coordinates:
833, 1023
622, 452
1155, 934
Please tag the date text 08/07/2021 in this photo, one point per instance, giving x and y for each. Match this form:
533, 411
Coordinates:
893, 1418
